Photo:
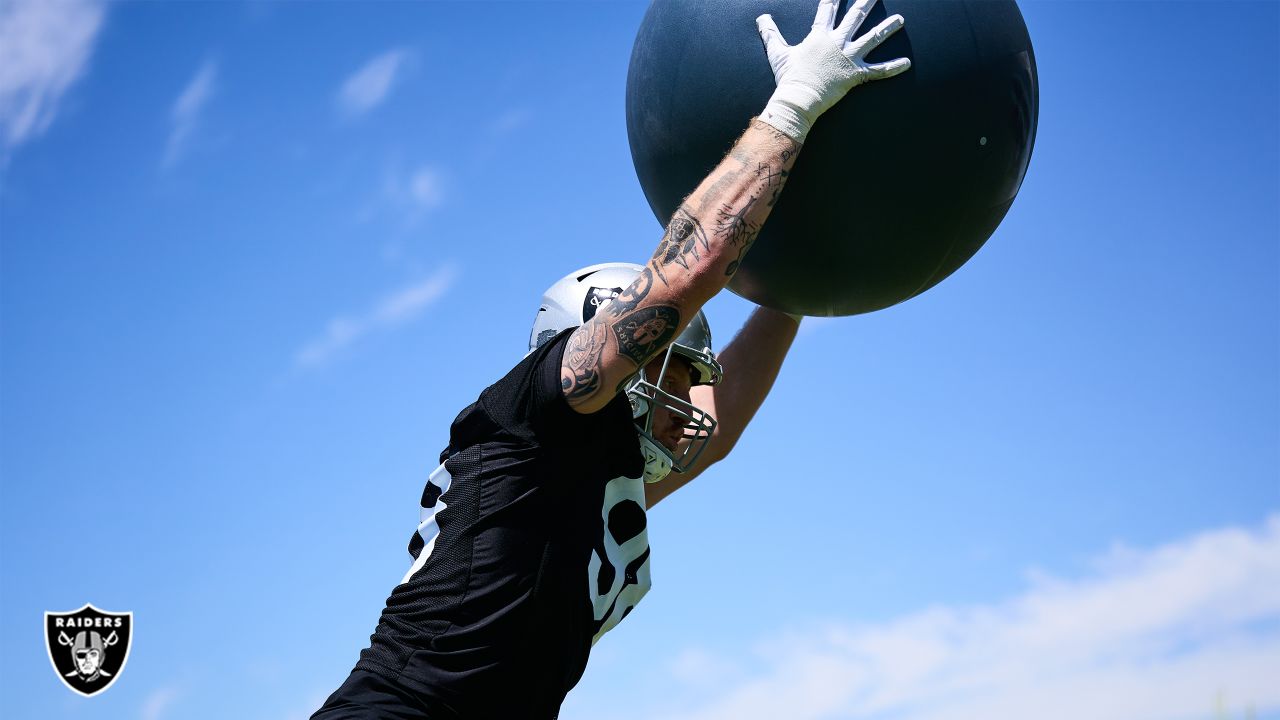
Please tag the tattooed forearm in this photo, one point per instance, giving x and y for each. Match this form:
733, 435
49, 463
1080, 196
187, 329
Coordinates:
682, 243
736, 262
705, 242
643, 333
771, 179
733, 226
732, 203
580, 371
632, 296
776, 134
770, 175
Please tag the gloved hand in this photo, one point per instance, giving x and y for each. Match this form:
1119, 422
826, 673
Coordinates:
815, 74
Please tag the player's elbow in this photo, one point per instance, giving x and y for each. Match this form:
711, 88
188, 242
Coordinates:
722, 443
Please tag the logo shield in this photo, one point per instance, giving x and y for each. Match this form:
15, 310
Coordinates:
597, 296
88, 647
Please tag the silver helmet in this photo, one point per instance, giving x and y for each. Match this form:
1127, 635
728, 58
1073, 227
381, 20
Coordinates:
575, 298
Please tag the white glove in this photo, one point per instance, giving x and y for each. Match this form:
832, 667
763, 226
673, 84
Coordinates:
815, 74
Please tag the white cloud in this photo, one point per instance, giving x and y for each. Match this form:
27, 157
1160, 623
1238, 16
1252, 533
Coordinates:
158, 702
425, 189
369, 86
393, 310
44, 47
510, 121
185, 114
1151, 634
700, 668
409, 196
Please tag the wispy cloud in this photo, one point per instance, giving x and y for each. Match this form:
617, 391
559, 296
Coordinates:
498, 131
405, 199
185, 114
369, 86
425, 188
45, 46
158, 703
1152, 634
409, 196
393, 310
509, 121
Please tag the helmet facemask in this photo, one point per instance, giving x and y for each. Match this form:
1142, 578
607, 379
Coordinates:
698, 425
575, 299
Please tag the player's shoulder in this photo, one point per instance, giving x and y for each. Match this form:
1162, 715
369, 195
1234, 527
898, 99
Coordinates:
516, 404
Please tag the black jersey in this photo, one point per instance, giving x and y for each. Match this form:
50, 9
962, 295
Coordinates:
531, 545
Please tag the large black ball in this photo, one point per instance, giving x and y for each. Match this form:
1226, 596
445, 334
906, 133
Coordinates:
897, 186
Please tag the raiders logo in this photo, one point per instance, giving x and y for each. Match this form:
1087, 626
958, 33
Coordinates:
88, 647
595, 298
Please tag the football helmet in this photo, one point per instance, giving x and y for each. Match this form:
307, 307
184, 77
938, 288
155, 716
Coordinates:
575, 299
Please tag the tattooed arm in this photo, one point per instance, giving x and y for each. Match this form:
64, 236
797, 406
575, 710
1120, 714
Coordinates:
704, 243
712, 231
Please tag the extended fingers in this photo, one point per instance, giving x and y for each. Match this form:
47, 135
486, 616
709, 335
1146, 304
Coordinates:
853, 18
826, 17
774, 45
872, 39
883, 70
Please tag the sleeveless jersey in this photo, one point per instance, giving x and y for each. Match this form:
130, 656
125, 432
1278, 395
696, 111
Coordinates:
532, 544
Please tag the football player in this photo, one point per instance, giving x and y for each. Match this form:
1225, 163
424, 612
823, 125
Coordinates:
532, 542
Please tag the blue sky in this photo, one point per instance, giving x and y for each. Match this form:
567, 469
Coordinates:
254, 257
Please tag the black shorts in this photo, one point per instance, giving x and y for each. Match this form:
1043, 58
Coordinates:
369, 696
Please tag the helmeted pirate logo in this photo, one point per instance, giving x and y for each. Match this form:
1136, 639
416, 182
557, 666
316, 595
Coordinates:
88, 647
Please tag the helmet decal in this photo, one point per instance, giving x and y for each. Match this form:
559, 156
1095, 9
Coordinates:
597, 296
576, 298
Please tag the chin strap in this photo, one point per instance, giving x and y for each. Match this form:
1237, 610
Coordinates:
657, 462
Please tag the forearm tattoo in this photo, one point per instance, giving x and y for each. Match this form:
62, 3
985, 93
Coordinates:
772, 179
643, 333
632, 296
733, 226
777, 134
681, 244
733, 205
734, 264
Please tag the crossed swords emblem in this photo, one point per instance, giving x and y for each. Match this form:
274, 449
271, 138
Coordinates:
65, 640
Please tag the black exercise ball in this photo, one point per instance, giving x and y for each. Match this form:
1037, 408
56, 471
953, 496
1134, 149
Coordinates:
897, 186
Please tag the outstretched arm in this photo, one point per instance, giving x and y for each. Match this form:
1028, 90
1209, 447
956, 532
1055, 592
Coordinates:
710, 233
751, 363
705, 241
